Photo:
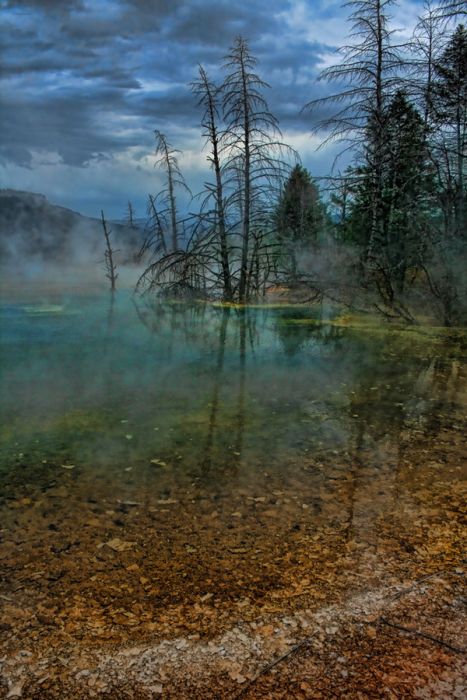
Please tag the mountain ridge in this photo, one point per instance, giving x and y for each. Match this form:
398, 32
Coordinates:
32, 227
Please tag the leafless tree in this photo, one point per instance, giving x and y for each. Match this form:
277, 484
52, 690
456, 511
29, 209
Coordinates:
452, 9
229, 252
130, 215
154, 242
256, 157
109, 263
424, 49
208, 95
167, 160
369, 67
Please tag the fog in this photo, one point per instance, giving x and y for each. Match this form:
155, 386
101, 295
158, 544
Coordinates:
46, 247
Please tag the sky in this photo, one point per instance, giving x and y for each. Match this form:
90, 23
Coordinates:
85, 83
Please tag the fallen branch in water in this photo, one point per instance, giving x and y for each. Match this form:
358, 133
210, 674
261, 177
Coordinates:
271, 665
458, 650
381, 619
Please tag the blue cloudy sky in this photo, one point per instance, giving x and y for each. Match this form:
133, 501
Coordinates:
85, 83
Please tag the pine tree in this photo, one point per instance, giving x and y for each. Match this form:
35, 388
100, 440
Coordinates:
406, 187
300, 213
450, 121
299, 217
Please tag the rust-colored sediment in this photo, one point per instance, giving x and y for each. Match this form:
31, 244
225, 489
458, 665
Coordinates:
194, 595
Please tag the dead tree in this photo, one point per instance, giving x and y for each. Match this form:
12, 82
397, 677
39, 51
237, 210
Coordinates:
208, 93
452, 9
255, 154
130, 215
226, 254
109, 264
167, 160
424, 48
154, 242
370, 68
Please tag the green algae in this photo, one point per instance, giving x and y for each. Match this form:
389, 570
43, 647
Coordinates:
227, 464
192, 385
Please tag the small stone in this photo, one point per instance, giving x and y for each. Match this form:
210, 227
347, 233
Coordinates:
16, 690
158, 463
119, 545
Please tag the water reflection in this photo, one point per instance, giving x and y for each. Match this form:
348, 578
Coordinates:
218, 371
236, 453
214, 390
284, 378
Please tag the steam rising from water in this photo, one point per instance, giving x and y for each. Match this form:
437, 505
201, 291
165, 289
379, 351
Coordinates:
45, 247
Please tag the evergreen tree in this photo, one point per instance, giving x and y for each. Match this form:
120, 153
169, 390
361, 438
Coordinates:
406, 187
450, 122
300, 213
299, 218
343, 190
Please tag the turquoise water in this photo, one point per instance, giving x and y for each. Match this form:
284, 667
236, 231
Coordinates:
210, 391
170, 469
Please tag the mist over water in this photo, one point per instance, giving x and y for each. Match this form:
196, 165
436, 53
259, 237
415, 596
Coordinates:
106, 383
169, 470
46, 249
233, 419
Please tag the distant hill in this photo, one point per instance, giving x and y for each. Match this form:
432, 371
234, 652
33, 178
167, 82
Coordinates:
33, 228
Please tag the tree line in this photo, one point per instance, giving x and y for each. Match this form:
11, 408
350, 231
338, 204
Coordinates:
389, 232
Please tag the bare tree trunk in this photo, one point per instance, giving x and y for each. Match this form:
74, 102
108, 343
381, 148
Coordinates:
110, 267
222, 226
159, 229
131, 215
460, 204
168, 161
247, 191
208, 98
377, 165
173, 208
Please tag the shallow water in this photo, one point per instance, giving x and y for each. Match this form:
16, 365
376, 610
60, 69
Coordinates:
162, 463
214, 393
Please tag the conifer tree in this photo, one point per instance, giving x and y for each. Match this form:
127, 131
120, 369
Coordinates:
300, 215
369, 72
450, 120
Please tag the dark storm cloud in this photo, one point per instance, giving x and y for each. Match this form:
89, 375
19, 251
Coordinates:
87, 78
76, 127
60, 6
216, 24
